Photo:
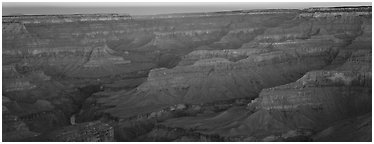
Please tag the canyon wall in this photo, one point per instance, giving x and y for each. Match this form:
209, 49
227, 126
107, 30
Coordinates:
303, 69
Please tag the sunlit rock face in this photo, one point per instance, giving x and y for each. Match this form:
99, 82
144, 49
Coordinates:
193, 73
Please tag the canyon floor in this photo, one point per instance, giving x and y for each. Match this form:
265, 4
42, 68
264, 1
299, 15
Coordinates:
248, 75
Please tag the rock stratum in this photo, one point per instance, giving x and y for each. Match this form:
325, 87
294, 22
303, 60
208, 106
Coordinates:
248, 75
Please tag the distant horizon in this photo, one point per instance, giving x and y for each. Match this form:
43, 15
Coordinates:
152, 8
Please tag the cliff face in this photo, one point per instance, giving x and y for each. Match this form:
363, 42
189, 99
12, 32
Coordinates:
307, 68
220, 79
322, 105
280, 55
57, 42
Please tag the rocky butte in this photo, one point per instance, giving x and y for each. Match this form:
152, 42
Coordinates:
248, 75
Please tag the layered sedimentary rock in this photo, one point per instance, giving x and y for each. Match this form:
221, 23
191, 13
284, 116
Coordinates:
281, 54
308, 67
322, 97
299, 111
62, 40
312, 103
291, 112
221, 79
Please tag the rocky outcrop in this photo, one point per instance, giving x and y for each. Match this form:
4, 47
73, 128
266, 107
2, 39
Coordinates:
322, 95
84, 132
315, 102
290, 112
206, 75
294, 112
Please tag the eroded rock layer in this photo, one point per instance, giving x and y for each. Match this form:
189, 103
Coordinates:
256, 75
279, 55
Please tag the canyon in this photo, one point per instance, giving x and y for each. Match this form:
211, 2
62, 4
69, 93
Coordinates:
246, 75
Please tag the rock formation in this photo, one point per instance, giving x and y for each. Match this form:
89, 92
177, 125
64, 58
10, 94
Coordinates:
248, 75
84, 132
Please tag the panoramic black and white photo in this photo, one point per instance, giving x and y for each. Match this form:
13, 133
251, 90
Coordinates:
187, 72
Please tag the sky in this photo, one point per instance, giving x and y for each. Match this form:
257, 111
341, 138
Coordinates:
150, 8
